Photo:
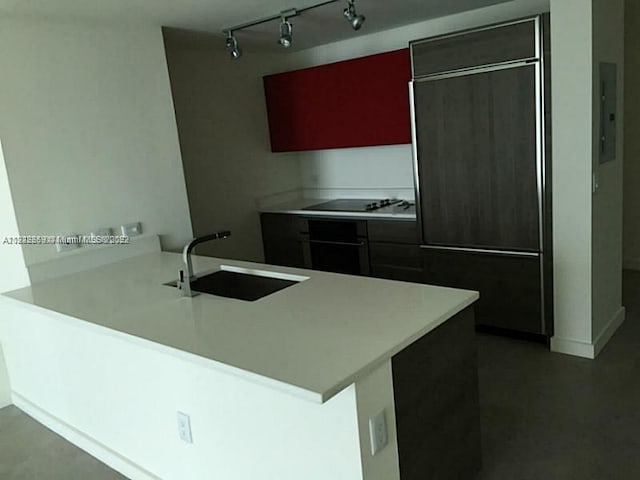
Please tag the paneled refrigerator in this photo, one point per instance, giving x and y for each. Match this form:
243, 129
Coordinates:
481, 144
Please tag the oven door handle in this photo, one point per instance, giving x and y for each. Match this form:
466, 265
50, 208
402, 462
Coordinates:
362, 243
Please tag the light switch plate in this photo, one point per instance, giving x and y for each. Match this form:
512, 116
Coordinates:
378, 432
131, 229
595, 183
63, 246
184, 428
102, 232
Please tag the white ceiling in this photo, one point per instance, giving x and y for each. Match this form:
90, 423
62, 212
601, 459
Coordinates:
315, 27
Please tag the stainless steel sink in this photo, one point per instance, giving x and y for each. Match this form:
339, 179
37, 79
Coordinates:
241, 283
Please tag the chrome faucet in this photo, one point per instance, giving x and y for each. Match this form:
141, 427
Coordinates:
184, 281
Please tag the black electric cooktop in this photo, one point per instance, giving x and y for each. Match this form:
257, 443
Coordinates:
353, 205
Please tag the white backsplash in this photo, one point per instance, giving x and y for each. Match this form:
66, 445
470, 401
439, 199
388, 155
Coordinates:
366, 168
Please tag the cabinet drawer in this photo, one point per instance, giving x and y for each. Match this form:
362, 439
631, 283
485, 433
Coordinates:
393, 231
399, 255
510, 287
401, 274
396, 262
475, 48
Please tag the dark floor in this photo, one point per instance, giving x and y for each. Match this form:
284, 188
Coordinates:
550, 416
545, 416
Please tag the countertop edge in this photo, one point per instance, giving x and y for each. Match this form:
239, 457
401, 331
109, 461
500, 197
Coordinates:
247, 375
333, 214
344, 383
318, 393
313, 396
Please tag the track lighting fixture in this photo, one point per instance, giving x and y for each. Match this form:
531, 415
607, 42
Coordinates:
286, 28
352, 16
232, 46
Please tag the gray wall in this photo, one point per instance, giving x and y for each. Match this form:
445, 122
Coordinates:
631, 138
88, 131
224, 138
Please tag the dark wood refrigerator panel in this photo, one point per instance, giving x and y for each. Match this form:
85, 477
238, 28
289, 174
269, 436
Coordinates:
510, 287
472, 49
477, 151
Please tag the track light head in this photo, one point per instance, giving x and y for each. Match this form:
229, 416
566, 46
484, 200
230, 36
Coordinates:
232, 46
352, 16
286, 33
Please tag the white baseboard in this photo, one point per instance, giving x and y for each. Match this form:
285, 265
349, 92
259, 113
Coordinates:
607, 332
81, 440
631, 264
578, 348
572, 347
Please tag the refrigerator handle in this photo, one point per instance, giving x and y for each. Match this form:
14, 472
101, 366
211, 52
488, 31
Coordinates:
414, 152
509, 253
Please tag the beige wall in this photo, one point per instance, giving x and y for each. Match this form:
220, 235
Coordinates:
224, 138
608, 46
631, 137
587, 225
88, 130
572, 107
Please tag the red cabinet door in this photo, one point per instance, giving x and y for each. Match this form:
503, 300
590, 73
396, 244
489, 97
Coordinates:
354, 103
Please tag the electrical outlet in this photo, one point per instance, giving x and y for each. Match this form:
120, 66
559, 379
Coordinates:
378, 432
102, 232
131, 229
67, 242
184, 428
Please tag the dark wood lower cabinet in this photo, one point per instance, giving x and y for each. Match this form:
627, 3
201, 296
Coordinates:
395, 261
394, 253
435, 382
510, 286
281, 239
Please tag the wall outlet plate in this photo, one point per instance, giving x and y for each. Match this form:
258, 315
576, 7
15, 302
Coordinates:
131, 229
184, 427
378, 432
67, 242
102, 232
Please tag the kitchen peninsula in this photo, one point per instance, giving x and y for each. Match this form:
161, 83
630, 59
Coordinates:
280, 388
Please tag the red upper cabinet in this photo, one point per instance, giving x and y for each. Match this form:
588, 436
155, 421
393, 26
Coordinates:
355, 103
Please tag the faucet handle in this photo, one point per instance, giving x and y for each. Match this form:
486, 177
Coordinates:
180, 279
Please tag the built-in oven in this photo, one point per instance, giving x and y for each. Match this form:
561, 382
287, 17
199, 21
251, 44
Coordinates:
338, 246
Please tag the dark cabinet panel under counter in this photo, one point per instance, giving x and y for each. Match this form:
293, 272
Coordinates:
281, 239
435, 385
394, 252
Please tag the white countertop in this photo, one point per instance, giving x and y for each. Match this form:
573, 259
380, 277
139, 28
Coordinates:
312, 339
297, 207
